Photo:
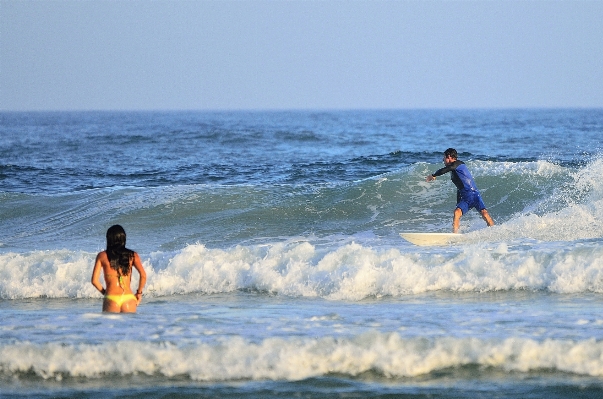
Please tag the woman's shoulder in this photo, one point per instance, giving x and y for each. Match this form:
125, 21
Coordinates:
103, 258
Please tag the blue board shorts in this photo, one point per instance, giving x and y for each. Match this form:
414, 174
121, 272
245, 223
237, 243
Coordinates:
470, 199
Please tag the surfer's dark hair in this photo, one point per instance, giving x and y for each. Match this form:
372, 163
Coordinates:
451, 152
119, 256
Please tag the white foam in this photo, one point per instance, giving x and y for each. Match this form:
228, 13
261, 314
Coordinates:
576, 209
45, 273
354, 272
234, 358
49, 274
348, 272
545, 169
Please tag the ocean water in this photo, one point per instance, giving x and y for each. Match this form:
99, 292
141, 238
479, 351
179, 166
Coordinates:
274, 261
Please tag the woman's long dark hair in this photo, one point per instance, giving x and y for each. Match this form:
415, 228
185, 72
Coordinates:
119, 256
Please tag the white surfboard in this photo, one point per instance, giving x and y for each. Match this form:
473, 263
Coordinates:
427, 239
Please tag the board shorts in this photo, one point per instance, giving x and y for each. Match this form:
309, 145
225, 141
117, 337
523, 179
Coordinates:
470, 199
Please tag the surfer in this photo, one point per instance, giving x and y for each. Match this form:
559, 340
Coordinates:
116, 263
467, 195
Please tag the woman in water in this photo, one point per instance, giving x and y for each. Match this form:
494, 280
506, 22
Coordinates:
116, 262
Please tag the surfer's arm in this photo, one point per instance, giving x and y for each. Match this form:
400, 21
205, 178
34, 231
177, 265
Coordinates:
439, 172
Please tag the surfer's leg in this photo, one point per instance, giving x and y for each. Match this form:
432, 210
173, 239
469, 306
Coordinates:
481, 208
461, 208
486, 217
456, 221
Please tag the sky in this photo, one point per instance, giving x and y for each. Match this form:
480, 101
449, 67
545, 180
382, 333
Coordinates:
273, 55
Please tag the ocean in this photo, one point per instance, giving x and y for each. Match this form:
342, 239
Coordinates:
275, 266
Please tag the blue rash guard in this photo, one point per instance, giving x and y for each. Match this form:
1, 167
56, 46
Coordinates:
467, 195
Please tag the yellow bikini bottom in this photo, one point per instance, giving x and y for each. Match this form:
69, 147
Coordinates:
120, 299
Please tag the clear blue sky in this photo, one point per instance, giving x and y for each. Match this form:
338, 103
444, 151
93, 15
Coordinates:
164, 55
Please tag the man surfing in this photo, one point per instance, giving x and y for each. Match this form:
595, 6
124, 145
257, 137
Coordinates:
467, 194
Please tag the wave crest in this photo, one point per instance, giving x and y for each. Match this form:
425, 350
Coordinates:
231, 359
348, 272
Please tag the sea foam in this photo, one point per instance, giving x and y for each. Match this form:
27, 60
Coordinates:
347, 272
234, 358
